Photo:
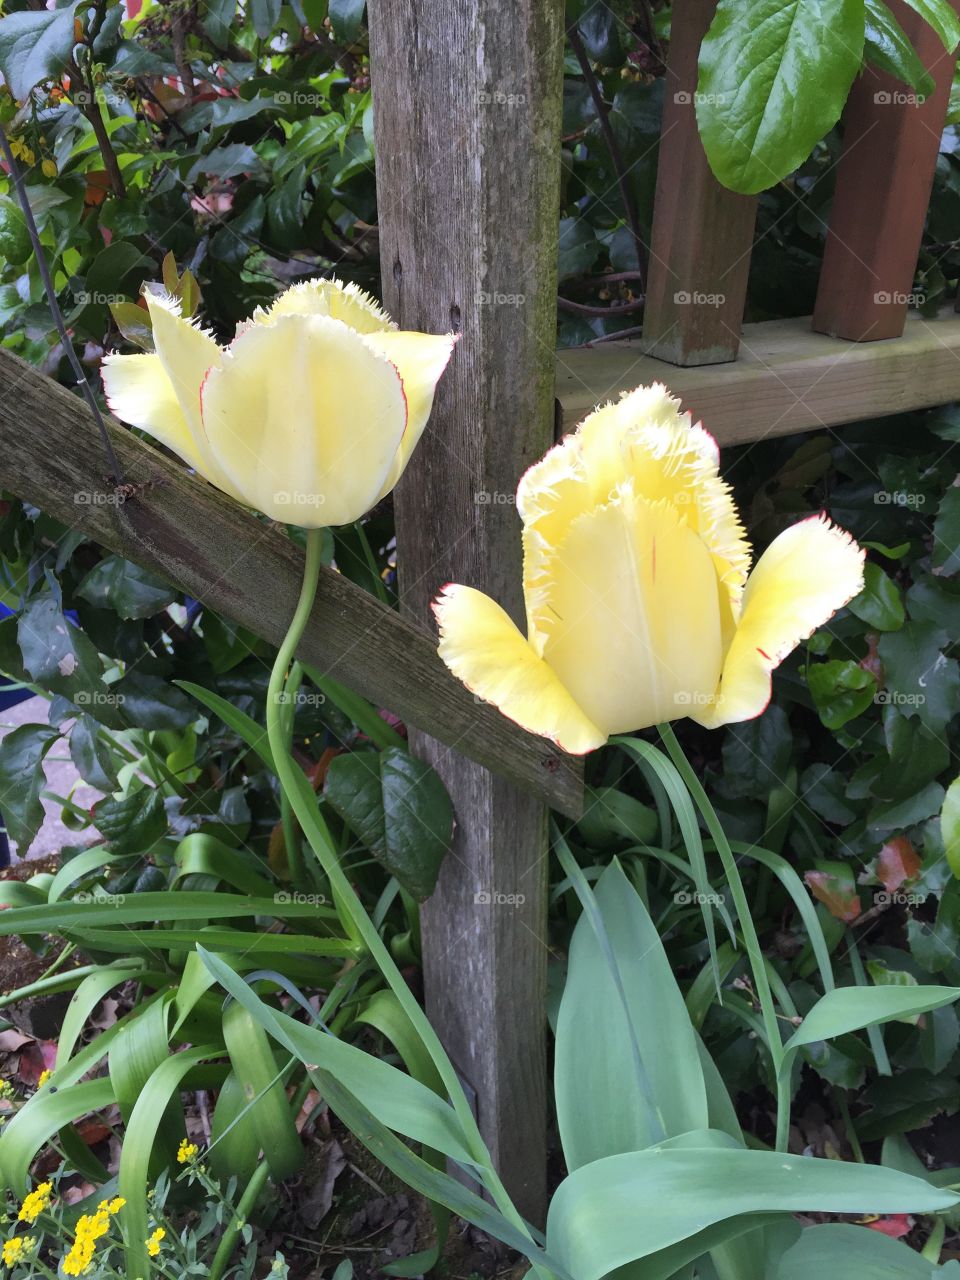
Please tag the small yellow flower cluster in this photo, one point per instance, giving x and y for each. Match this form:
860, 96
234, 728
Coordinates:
188, 1152
153, 1244
90, 1228
16, 1249
35, 1203
7, 1091
45, 1074
22, 152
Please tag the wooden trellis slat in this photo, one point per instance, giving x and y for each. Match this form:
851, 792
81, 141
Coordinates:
467, 101
207, 545
787, 378
702, 233
884, 178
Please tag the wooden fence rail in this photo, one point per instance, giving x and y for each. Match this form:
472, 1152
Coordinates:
210, 547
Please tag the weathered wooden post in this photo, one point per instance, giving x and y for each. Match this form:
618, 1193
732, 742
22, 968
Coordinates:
467, 101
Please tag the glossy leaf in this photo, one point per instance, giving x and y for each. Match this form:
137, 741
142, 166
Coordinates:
774, 76
646, 1084
399, 808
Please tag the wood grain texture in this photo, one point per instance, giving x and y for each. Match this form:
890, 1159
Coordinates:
467, 101
884, 179
786, 379
702, 233
210, 547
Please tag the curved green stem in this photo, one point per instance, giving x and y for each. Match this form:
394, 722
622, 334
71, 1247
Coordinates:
304, 804
748, 929
291, 833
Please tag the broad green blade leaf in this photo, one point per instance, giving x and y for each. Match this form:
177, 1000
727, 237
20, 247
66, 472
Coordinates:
838, 1249
147, 908
602, 1101
263, 1086
200, 854
649, 757
852, 1008
721, 1114
33, 1126
631, 1206
134, 1057
774, 76
234, 1148
423, 1177
80, 867
262, 944
792, 883
398, 1100
138, 1145
86, 998
887, 47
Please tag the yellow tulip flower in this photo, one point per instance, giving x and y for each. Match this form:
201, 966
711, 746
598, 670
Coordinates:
310, 415
641, 607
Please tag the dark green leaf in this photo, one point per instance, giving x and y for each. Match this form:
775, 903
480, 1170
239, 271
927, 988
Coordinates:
946, 534
91, 755
579, 247
921, 681
34, 45
130, 591
22, 779
879, 604
841, 690
133, 824
346, 18
399, 808
264, 14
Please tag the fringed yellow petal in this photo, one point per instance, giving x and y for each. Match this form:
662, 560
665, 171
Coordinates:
420, 359
346, 302
805, 575
483, 648
644, 439
634, 602
305, 420
138, 391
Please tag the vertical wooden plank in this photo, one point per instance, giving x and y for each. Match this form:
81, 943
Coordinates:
467, 101
702, 233
884, 178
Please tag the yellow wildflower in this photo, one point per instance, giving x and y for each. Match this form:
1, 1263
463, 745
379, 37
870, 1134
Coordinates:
7, 1090
35, 1203
16, 1249
89, 1230
188, 1151
153, 1244
116, 1204
45, 1074
49, 169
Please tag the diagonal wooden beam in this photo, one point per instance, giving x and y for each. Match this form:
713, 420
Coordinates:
208, 546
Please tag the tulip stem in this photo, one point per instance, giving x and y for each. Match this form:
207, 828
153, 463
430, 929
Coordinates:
750, 937
304, 804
